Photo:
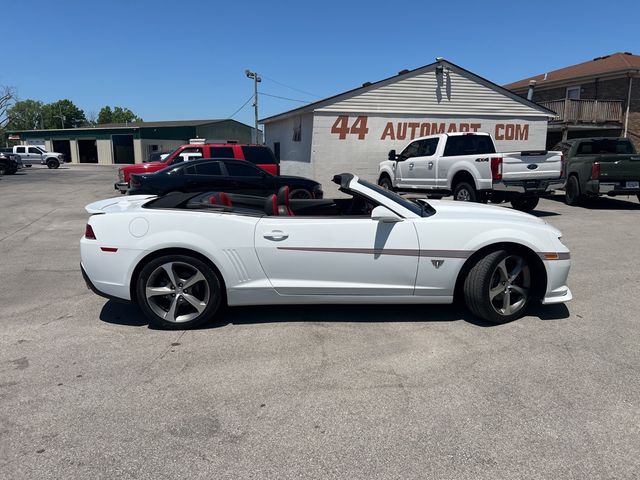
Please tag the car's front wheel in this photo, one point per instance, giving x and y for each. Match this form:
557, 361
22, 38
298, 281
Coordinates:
499, 286
178, 292
53, 163
300, 194
385, 182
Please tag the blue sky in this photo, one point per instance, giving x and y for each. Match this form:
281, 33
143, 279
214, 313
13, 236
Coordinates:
186, 60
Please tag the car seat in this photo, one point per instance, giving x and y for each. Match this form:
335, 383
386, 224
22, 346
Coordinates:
220, 199
284, 209
271, 206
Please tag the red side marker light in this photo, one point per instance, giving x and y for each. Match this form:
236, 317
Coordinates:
108, 249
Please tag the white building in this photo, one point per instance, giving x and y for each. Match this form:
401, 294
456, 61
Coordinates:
353, 131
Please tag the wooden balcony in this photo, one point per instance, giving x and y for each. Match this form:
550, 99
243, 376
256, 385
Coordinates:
585, 111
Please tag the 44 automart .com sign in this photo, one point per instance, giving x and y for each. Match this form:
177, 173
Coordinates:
510, 133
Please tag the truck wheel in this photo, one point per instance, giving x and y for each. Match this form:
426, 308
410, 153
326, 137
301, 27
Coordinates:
572, 195
498, 288
53, 163
525, 204
465, 193
385, 182
3, 169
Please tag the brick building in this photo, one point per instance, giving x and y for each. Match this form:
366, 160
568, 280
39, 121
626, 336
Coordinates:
600, 97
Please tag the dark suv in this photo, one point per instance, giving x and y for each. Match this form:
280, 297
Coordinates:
10, 163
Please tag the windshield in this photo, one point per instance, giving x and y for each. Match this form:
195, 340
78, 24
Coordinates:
422, 209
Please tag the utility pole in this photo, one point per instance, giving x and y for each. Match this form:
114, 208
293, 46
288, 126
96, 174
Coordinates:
256, 78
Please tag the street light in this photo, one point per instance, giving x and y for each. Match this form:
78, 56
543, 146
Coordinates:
256, 78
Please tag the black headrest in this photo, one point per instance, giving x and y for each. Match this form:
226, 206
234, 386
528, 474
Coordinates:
271, 205
283, 196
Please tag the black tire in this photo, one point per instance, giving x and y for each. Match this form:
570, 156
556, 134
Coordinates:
207, 292
525, 204
572, 194
385, 182
4, 169
484, 280
464, 192
300, 194
53, 163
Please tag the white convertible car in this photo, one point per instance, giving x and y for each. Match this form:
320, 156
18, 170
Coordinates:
182, 256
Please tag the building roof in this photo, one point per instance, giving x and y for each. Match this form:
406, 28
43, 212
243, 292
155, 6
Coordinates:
402, 75
619, 62
167, 124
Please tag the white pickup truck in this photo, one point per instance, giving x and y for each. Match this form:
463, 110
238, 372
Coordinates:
34, 155
467, 166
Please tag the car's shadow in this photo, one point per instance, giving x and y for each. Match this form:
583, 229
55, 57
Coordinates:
602, 203
129, 314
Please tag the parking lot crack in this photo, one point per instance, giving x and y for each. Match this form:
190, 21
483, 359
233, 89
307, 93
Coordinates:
27, 225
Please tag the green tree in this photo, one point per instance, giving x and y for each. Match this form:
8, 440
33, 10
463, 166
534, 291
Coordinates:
105, 115
62, 113
117, 115
25, 115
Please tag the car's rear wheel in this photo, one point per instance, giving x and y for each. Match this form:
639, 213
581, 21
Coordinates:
464, 192
53, 163
499, 287
4, 169
572, 194
525, 204
178, 291
300, 194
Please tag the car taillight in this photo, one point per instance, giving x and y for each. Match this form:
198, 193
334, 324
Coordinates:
563, 166
496, 168
595, 171
88, 233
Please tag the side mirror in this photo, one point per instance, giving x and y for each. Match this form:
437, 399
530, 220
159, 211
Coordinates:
392, 155
383, 214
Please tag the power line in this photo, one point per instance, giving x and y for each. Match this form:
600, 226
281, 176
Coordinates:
292, 88
243, 105
285, 98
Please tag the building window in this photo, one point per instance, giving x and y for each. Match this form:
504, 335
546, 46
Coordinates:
276, 150
573, 93
297, 129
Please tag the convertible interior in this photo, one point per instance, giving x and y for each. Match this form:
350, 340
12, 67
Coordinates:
273, 205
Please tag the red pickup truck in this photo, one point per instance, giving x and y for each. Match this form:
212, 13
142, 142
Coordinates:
259, 155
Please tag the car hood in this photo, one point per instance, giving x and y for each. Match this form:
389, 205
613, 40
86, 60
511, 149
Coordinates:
117, 204
144, 167
480, 212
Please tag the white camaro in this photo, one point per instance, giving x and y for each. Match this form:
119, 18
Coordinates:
183, 255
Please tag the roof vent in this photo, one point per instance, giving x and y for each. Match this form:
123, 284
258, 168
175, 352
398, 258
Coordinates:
366, 84
402, 72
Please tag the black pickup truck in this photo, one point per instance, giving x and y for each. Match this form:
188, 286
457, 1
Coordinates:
599, 166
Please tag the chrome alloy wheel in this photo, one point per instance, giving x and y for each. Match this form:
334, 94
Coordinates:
510, 285
463, 195
177, 292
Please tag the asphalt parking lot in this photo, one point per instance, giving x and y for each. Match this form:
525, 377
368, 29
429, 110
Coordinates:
87, 390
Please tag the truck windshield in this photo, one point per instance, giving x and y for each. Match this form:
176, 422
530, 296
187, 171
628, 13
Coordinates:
606, 146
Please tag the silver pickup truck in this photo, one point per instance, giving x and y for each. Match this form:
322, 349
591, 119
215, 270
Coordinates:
34, 155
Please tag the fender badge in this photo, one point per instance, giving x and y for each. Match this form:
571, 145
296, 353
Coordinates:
437, 263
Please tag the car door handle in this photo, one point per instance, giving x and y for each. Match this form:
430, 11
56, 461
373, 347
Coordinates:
411, 166
275, 235
430, 165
